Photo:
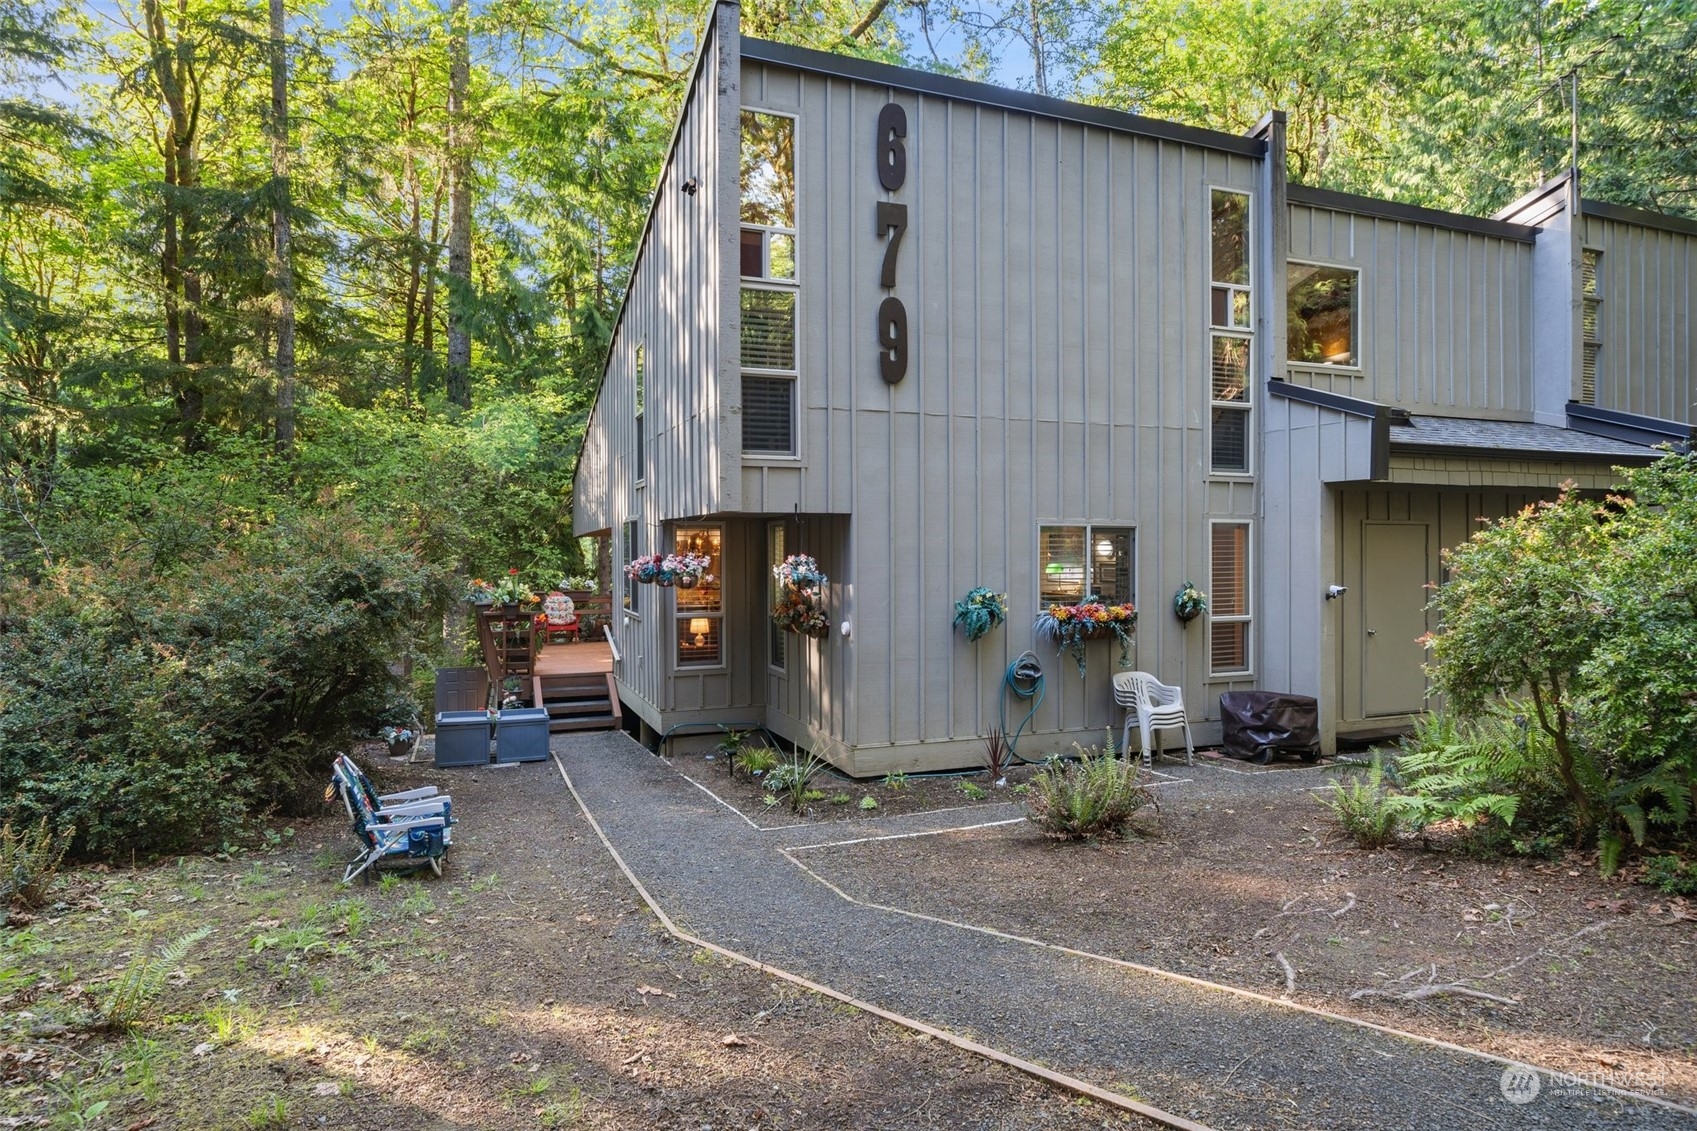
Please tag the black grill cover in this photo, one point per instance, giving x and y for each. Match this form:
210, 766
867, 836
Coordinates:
1253, 724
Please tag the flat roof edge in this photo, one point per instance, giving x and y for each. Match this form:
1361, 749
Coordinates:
1410, 213
1642, 217
986, 94
1481, 451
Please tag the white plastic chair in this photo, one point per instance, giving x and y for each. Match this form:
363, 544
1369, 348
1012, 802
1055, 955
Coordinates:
1154, 707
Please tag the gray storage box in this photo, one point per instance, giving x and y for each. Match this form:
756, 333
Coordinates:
462, 738
521, 735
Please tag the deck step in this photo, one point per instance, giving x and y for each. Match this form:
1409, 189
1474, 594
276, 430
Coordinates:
556, 708
598, 722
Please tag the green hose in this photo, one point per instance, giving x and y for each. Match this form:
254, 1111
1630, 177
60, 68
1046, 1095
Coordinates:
1025, 679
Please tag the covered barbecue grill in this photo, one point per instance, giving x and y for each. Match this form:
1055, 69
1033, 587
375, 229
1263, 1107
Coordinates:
1256, 724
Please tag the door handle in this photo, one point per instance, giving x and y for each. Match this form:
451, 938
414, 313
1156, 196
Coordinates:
1372, 632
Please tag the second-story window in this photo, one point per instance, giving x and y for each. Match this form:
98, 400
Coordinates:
641, 381
1323, 319
769, 288
1230, 364
1592, 294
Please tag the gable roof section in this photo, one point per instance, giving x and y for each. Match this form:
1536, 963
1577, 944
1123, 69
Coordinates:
984, 94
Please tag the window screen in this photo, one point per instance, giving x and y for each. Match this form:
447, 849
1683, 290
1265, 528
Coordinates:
768, 415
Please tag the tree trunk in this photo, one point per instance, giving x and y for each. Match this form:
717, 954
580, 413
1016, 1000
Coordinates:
459, 208
415, 252
1041, 76
283, 275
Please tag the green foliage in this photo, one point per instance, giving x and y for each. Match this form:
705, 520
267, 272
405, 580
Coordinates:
129, 999
868, 803
895, 779
793, 780
1468, 771
155, 711
753, 759
973, 791
980, 611
1589, 610
1365, 807
29, 859
1670, 875
1099, 795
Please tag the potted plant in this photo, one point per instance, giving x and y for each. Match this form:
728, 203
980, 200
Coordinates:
801, 601
510, 592
1070, 626
400, 739
980, 611
649, 569
687, 570
1189, 603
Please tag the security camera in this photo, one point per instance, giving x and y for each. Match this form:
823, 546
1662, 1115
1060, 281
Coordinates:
1333, 592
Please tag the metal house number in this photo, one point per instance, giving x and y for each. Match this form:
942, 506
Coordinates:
892, 225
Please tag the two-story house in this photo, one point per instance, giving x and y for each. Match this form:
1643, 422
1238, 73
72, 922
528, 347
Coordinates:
938, 334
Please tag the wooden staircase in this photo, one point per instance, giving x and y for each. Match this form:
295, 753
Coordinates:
578, 701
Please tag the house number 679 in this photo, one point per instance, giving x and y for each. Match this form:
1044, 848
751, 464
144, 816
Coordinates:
891, 226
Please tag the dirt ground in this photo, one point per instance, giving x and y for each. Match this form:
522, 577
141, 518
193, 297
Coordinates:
1594, 977
526, 987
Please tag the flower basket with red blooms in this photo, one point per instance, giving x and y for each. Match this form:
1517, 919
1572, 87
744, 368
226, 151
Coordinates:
1069, 626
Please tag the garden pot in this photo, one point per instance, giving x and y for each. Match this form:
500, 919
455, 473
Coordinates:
402, 749
687, 581
509, 609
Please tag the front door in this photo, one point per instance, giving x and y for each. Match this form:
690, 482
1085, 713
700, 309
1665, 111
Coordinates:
1393, 617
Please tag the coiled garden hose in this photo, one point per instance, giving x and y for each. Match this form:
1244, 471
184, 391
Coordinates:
1025, 679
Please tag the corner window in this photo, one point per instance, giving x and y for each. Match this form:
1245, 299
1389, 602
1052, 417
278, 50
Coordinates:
630, 549
1075, 562
1591, 316
769, 292
1231, 334
701, 607
1323, 315
1228, 612
776, 638
641, 380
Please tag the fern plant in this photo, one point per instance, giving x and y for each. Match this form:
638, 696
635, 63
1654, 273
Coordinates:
1366, 809
29, 859
1096, 796
1468, 772
128, 1000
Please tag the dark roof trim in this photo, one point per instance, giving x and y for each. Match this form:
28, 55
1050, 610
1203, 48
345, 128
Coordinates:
946, 86
1630, 427
1409, 213
1480, 452
1539, 205
1642, 217
1379, 462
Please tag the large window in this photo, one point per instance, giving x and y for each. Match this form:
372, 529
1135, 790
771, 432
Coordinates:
1229, 613
1075, 562
630, 548
1231, 334
1592, 294
1324, 324
769, 292
701, 608
776, 638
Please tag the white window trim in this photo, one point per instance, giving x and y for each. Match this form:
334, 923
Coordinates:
1357, 369
678, 615
1089, 528
631, 611
1248, 405
769, 597
795, 454
1248, 618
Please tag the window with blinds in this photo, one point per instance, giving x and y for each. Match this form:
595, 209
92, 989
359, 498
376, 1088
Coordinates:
776, 638
700, 608
769, 293
1075, 562
630, 549
1231, 333
1229, 597
1591, 292
641, 465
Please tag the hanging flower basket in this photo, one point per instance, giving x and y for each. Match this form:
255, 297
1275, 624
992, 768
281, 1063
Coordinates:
801, 597
1189, 602
980, 611
687, 570
1069, 627
648, 570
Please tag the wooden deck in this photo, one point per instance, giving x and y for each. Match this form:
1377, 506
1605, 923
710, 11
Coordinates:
589, 657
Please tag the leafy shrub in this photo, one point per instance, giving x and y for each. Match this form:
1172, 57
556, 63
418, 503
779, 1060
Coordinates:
1587, 609
155, 713
28, 862
792, 781
1096, 796
1365, 808
1469, 772
1670, 875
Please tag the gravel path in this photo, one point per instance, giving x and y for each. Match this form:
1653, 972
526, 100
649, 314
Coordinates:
1217, 1057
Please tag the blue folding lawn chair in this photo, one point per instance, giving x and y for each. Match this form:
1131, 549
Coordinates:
410, 830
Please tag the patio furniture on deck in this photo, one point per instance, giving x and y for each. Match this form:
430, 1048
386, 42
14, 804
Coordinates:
1153, 706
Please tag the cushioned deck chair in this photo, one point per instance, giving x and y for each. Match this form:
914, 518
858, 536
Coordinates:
438, 800
411, 835
1153, 706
